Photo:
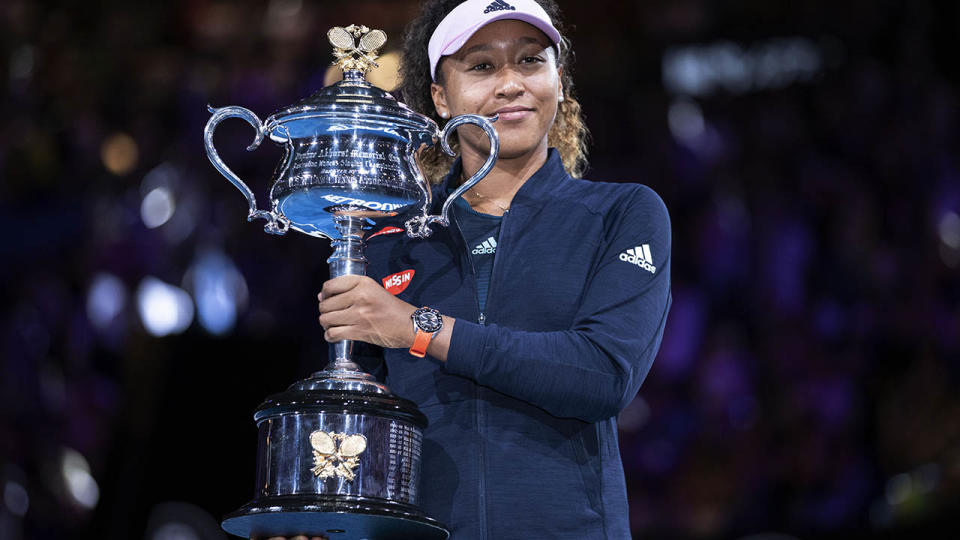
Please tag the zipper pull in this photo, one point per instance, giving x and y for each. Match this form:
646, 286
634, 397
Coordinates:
482, 319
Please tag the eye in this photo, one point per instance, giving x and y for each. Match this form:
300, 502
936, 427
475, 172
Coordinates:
482, 66
531, 59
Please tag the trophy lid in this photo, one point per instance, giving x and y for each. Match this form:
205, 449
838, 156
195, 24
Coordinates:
353, 98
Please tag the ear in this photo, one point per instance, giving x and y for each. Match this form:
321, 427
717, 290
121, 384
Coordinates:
439, 96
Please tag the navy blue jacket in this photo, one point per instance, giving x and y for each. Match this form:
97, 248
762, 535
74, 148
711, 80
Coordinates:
522, 441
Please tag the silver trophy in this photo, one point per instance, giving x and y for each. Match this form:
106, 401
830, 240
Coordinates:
339, 454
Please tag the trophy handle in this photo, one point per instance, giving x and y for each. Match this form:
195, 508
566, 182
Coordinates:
419, 227
276, 223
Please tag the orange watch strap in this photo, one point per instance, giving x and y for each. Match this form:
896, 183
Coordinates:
420, 343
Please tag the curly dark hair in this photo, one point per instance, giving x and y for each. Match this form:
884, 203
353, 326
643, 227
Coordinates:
569, 132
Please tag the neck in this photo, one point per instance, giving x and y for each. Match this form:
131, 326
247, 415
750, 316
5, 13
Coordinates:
507, 175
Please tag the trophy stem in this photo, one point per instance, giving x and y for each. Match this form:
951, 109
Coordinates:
347, 260
342, 373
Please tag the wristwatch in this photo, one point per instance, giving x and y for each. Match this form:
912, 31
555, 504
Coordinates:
427, 323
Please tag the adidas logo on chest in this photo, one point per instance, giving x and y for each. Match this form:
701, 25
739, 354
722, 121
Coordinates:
487, 247
640, 256
499, 5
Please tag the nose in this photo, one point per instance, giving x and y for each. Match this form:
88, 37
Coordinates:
509, 83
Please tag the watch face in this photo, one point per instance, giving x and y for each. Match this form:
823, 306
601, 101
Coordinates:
428, 320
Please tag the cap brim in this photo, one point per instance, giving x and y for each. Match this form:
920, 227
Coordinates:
552, 34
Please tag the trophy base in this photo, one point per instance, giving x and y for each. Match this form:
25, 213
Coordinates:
335, 518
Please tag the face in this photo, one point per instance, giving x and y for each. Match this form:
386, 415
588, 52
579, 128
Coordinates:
508, 68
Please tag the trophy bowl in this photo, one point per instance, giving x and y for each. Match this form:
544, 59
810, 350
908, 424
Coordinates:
339, 453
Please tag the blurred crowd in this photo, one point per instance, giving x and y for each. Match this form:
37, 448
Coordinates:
807, 382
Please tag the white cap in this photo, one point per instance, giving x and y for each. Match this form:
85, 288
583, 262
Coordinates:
460, 24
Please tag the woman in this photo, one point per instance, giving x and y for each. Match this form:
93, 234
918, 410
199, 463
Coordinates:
551, 292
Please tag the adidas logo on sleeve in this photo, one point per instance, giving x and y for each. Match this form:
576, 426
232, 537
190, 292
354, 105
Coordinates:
487, 247
640, 256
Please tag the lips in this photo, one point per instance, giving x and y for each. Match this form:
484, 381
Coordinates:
513, 113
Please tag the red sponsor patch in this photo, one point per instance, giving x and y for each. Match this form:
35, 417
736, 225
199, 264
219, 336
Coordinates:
396, 283
386, 230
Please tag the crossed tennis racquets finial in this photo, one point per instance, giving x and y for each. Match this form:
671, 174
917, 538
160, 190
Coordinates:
347, 49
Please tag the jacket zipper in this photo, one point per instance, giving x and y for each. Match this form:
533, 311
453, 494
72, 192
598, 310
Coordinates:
482, 318
480, 415
493, 268
482, 510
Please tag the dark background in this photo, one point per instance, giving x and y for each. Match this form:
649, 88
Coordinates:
807, 152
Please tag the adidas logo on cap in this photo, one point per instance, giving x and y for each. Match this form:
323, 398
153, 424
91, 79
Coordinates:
640, 256
488, 247
499, 5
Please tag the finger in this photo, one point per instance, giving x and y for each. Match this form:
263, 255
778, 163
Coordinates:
339, 285
338, 333
337, 303
333, 319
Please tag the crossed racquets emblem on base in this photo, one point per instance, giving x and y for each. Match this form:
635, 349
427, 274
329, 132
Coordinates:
336, 454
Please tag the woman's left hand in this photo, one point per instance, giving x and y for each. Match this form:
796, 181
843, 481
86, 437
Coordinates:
358, 308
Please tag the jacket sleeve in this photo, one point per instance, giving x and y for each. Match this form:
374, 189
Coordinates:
594, 369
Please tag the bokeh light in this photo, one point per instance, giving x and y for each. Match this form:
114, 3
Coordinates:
219, 289
949, 232
106, 299
119, 153
15, 498
81, 486
702, 70
164, 309
179, 520
157, 207
685, 120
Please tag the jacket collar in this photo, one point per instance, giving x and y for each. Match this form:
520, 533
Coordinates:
531, 194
